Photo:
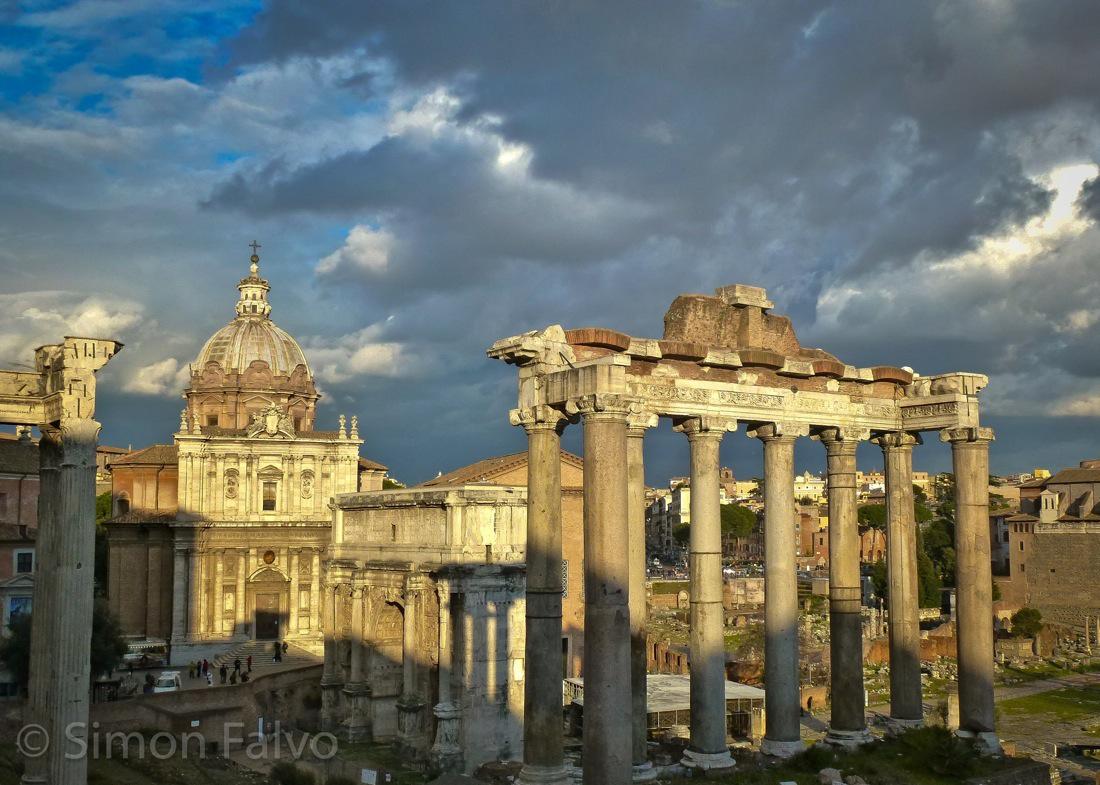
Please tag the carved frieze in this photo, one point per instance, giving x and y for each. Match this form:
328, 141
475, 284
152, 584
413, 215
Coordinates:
930, 410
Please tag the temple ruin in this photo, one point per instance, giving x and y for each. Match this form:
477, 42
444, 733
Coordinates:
726, 361
58, 397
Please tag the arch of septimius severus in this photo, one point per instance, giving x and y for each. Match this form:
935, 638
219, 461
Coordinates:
726, 361
58, 396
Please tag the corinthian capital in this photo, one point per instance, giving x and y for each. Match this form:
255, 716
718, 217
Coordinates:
897, 440
963, 435
611, 404
539, 417
705, 425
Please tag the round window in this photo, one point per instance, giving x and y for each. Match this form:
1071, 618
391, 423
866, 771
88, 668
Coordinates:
269, 557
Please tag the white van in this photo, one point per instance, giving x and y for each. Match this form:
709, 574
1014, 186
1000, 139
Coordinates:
168, 681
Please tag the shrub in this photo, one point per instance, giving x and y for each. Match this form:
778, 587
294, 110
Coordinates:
288, 774
940, 750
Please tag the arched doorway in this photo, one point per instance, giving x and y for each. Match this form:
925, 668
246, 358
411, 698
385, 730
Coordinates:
386, 659
270, 603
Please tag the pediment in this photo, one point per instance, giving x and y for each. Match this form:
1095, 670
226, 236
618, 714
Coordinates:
271, 472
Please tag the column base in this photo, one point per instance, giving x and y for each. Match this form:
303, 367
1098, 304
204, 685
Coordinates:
446, 752
986, 741
531, 774
643, 772
848, 739
781, 749
707, 761
897, 725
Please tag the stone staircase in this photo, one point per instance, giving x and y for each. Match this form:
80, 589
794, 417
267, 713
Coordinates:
263, 656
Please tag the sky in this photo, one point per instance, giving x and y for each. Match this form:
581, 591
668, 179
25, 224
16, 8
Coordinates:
916, 184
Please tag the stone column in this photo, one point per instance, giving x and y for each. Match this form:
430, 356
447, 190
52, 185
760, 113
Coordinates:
607, 746
330, 681
410, 706
61, 635
974, 582
194, 592
635, 477
179, 597
707, 649
241, 603
292, 610
847, 726
315, 595
219, 593
782, 736
542, 720
356, 688
906, 709
446, 750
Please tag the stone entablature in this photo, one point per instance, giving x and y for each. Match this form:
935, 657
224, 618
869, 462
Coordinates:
449, 525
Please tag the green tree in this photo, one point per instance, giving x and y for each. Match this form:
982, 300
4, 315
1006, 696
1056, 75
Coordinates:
922, 513
996, 591
1027, 622
872, 516
682, 534
737, 521
928, 579
388, 483
939, 544
879, 577
103, 504
919, 495
105, 653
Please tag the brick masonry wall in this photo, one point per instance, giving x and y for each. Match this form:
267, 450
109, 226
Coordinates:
1061, 570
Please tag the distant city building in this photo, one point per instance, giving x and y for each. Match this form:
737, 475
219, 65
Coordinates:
1052, 553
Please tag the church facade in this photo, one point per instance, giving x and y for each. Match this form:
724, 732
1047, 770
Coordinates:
218, 538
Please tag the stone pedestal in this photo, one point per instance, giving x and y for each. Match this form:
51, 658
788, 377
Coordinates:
446, 752
906, 707
330, 704
357, 700
411, 726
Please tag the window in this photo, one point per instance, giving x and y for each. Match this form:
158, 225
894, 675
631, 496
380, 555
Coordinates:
3, 505
17, 606
123, 505
212, 419
269, 495
297, 423
24, 561
565, 577
1021, 545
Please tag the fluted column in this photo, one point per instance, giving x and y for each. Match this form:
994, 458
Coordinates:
974, 583
292, 610
635, 471
218, 593
782, 737
906, 709
543, 761
707, 650
315, 594
64, 582
847, 726
607, 746
240, 604
194, 592
179, 596
329, 627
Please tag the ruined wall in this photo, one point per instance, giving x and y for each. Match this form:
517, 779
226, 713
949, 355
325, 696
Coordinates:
1061, 571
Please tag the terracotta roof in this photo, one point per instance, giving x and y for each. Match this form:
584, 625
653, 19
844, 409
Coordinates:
106, 448
1022, 517
157, 455
1074, 475
489, 468
367, 463
18, 457
1039, 483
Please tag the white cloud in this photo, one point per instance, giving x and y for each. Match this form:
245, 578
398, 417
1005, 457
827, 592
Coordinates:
365, 249
362, 353
166, 377
31, 319
1086, 405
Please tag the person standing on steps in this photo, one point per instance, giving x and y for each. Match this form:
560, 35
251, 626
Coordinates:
250, 663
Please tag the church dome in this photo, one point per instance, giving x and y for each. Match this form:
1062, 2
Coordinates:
252, 335
250, 365
244, 340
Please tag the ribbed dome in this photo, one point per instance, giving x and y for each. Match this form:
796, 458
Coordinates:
249, 338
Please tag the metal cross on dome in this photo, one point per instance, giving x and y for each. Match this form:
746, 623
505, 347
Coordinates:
255, 246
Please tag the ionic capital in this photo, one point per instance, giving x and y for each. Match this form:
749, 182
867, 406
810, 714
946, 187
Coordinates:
705, 426
964, 435
778, 431
538, 418
897, 440
639, 420
609, 405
